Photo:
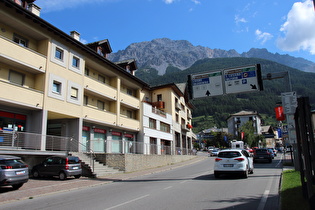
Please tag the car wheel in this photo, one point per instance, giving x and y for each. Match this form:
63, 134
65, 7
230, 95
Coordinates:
62, 176
36, 174
216, 175
17, 186
245, 175
77, 176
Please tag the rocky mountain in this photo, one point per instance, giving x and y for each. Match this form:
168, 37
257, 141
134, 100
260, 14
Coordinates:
159, 54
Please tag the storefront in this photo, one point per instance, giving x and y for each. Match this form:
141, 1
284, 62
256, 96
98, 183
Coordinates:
10, 121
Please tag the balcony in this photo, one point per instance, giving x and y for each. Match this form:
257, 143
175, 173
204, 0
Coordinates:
21, 57
100, 89
159, 104
21, 95
129, 101
129, 123
93, 114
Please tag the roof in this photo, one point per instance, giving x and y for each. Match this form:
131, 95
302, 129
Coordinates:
244, 113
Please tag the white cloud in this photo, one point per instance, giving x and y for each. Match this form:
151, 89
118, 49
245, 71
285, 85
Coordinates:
262, 36
299, 28
239, 19
196, 1
168, 1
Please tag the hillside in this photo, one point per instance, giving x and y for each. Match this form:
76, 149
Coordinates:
159, 55
220, 107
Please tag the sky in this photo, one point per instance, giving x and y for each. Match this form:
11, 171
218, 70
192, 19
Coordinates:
280, 26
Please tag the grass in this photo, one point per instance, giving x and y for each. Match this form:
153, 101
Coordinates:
291, 192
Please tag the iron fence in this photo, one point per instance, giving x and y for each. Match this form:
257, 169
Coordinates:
33, 141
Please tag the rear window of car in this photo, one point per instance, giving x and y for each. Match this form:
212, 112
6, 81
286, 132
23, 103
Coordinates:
73, 160
14, 163
229, 154
261, 150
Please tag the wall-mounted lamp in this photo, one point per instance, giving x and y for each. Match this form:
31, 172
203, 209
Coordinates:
37, 105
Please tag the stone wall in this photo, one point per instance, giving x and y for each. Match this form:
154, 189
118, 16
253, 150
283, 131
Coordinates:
136, 162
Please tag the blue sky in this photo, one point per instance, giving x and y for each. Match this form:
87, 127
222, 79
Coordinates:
280, 26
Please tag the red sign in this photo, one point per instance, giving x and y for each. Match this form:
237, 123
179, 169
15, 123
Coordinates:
115, 133
85, 128
128, 135
98, 130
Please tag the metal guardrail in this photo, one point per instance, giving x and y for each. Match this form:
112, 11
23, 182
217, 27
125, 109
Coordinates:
32, 141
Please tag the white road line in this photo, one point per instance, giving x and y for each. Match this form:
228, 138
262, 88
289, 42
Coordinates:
263, 200
169, 187
128, 202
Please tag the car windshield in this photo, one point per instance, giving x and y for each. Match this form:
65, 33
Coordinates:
229, 154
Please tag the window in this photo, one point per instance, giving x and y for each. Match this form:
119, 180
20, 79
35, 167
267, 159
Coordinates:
177, 118
56, 87
20, 40
16, 78
87, 72
100, 105
75, 62
165, 127
159, 97
129, 113
101, 78
74, 93
86, 100
152, 123
59, 53
129, 92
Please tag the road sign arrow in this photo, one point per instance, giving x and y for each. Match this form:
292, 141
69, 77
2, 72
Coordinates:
208, 93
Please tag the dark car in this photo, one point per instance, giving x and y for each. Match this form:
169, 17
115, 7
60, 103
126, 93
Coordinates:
13, 171
61, 166
262, 154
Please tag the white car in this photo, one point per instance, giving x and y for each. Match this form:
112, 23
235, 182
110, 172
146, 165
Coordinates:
233, 161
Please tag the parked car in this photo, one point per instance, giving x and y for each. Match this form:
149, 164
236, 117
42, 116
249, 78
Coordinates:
61, 166
214, 152
13, 171
233, 161
262, 154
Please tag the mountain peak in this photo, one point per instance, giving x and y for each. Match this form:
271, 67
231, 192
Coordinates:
162, 53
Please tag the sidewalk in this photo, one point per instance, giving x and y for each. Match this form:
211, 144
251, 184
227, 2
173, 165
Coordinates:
39, 187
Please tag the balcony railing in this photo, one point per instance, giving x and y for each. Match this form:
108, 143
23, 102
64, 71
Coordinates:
22, 57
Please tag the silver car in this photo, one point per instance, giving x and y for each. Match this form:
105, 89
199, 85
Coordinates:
13, 171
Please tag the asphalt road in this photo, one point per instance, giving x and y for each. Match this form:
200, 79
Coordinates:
187, 187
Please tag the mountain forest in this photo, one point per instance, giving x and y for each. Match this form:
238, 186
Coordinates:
213, 111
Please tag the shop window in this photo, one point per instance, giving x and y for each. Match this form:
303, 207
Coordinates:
16, 78
20, 40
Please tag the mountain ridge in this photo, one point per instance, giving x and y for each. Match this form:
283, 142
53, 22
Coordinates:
161, 53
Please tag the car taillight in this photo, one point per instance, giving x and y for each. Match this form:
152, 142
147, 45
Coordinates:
217, 159
67, 164
239, 159
6, 167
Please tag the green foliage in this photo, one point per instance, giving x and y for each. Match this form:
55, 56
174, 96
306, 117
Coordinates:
218, 108
172, 70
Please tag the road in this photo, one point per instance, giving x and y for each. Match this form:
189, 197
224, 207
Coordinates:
186, 187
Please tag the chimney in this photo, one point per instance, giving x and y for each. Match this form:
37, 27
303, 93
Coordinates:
34, 9
75, 35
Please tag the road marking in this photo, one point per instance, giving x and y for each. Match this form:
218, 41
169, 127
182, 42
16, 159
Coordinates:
166, 188
263, 200
128, 202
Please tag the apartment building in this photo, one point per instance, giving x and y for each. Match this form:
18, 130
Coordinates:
52, 84
235, 122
